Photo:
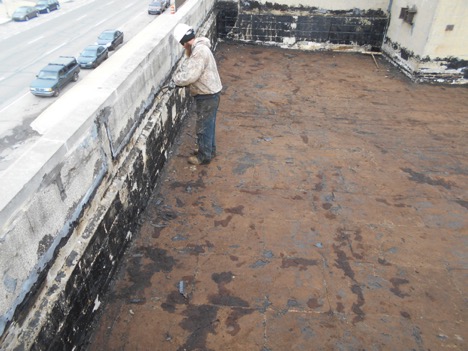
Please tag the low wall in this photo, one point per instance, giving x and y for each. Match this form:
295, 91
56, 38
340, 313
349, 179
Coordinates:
69, 205
305, 26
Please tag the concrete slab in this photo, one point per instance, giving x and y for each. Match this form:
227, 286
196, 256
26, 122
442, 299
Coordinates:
333, 218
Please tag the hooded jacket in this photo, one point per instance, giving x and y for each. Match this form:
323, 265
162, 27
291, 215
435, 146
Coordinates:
199, 70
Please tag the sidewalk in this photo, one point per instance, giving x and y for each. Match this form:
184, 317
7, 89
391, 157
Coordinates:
333, 218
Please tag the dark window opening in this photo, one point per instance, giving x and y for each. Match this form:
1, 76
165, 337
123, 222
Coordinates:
407, 14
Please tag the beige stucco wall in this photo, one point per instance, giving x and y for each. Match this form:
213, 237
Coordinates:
442, 42
426, 49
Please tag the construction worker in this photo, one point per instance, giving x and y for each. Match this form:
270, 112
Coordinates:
200, 73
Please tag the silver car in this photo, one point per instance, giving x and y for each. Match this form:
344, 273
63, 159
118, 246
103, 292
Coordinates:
156, 7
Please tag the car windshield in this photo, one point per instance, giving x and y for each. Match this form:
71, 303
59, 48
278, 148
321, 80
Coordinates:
42, 3
107, 36
88, 53
155, 3
21, 10
47, 75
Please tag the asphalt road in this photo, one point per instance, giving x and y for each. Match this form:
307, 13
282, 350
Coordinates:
26, 47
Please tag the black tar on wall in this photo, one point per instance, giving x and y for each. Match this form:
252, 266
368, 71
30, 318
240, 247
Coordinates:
252, 21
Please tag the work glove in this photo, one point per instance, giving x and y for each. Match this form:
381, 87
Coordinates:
171, 85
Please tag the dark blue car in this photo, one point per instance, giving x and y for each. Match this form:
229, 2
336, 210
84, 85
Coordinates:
92, 56
45, 6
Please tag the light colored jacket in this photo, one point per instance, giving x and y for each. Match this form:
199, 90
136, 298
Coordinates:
199, 70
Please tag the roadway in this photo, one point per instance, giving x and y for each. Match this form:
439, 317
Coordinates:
26, 47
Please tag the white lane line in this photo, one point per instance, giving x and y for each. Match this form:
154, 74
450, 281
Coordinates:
80, 18
14, 102
126, 7
54, 49
99, 23
34, 40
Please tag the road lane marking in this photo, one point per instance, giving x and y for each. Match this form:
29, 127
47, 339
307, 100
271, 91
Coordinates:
99, 23
14, 102
34, 40
54, 49
80, 18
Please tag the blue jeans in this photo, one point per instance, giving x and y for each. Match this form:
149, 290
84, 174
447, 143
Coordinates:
206, 107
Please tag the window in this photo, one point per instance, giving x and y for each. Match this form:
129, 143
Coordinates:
407, 14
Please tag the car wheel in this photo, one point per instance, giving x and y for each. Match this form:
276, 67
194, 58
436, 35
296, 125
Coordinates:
57, 92
75, 76
48, 10
27, 18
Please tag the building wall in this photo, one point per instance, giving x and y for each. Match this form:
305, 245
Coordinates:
434, 47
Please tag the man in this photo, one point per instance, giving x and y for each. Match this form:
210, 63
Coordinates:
200, 73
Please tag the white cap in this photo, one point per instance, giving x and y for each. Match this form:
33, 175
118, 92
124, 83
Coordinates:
183, 33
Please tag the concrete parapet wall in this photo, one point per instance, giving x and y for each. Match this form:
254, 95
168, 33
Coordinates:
69, 205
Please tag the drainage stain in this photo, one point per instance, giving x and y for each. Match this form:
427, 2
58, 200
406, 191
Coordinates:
172, 300
251, 192
259, 263
302, 263
339, 307
188, 186
235, 210
397, 282
140, 275
223, 222
199, 321
314, 303
384, 262
360, 315
405, 314
193, 249
342, 262
223, 298
179, 202
222, 278
232, 325
422, 178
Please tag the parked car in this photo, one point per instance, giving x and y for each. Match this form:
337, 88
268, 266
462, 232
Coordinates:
45, 6
24, 13
92, 56
53, 77
156, 7
110, 38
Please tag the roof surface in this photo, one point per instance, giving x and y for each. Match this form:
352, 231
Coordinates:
333, 218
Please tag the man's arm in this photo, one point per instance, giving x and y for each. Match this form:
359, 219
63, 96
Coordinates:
191, 70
